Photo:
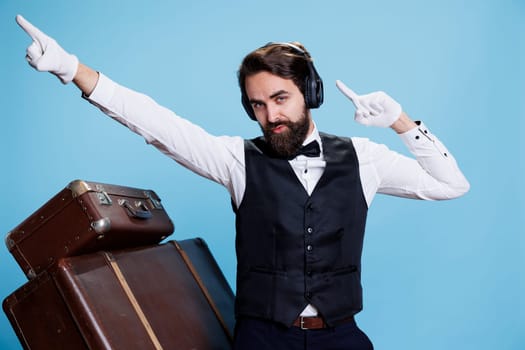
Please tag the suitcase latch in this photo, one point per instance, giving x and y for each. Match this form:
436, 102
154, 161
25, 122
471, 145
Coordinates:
103, 196
155, 202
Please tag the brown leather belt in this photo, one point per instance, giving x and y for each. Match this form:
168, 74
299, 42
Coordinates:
315, 322
309, 322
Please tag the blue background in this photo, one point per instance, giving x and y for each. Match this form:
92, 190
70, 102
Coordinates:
437, 275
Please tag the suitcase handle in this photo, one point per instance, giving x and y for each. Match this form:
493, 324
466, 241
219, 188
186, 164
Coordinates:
136, 213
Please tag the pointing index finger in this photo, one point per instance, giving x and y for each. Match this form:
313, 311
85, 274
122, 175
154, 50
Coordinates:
348, 93
30, 29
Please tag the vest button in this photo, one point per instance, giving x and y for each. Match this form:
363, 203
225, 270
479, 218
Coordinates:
309, 230
309, 272
309, 247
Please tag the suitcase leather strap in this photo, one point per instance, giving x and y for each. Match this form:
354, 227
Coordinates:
203, 288
138, 310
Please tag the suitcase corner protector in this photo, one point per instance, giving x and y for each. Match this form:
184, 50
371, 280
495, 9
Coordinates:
9, 242
101, 226
79, 187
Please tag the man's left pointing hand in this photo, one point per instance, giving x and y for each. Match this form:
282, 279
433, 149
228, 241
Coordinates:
374, 109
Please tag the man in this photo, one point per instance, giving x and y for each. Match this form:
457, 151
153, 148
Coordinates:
300, 196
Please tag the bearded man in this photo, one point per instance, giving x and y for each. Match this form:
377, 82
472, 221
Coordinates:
300, 196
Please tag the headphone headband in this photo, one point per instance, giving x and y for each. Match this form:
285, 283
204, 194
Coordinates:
293, 46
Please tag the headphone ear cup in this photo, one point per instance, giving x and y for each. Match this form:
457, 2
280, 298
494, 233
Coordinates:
318, 92
309, 93
313, 90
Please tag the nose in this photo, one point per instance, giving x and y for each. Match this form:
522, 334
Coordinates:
273, 113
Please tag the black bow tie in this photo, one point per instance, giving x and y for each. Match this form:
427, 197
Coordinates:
310, 150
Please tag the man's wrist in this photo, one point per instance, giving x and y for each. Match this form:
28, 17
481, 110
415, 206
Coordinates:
86, 79
403, 124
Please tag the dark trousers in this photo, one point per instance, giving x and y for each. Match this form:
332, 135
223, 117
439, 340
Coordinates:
254, 334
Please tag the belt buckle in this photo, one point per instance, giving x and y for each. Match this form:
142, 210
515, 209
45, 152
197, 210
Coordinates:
302, 323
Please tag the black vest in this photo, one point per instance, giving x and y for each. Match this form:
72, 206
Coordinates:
294, 249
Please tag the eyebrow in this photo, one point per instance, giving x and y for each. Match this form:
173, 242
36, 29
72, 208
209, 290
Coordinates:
272, 96
280, 92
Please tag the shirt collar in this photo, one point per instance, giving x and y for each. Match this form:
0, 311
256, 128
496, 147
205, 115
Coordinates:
314, 136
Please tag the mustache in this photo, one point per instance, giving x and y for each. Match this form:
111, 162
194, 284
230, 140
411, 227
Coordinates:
270, 126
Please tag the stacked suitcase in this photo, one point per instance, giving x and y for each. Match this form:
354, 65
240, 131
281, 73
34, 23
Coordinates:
100, 279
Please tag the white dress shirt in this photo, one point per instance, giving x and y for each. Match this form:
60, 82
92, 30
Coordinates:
432, 175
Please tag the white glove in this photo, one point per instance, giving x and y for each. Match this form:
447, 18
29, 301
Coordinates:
375, 109
45, 55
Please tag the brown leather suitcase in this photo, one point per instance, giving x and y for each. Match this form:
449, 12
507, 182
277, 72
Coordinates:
143, 298
41, 318
201, 259
86, 217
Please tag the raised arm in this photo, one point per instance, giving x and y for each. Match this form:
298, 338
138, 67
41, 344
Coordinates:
220, 159
434, 174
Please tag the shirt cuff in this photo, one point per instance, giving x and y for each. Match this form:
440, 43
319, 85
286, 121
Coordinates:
103, 91
417, 137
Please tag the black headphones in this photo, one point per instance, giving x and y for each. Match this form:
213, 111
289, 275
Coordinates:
313, 92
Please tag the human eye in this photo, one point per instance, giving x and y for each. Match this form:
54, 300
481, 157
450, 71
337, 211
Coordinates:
256, 105
281, 99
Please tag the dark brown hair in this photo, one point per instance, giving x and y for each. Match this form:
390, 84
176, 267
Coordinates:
281, 59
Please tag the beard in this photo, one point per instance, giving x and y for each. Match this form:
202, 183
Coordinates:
287, 143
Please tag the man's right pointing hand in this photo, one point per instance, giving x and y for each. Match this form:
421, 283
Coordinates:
45, 55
